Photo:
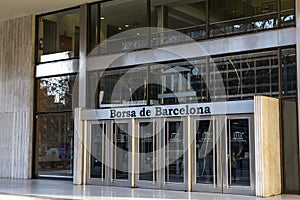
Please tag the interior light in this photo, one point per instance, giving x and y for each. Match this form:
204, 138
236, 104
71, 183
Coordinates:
102, 18
120, 28
127, 25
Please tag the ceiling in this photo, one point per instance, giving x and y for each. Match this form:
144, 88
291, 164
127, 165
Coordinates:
10, 9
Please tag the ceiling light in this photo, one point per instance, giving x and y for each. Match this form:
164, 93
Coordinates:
102, 18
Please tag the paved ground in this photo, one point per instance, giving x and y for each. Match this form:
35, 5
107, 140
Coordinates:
11, 189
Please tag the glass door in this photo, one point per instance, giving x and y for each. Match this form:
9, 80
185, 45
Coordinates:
206, 156
223, 154
97, 159
147, 157
175, 154
238, 172
121, 152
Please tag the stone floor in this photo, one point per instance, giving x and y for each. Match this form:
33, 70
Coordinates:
41, 189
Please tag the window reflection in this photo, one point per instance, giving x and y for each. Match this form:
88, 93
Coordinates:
58, 36
287, 12
187, 17
55, 93
54, 144
105, 23
245, 76
235, 16
179, 82
289, 72
197, 19
117, 88
233, 77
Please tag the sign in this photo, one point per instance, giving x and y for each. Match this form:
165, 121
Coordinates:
159, 111
199, 109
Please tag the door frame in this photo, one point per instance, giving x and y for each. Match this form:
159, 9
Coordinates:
112, 161
216, 187
230, 189
173, 185
104, 135
156, 183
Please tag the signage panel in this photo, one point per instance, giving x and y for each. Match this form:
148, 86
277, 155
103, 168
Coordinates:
199, 109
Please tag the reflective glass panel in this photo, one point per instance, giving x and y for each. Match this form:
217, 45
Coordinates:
120, 150
116, 17
289, 72
97, 151
287, 12
122, 87
236, 16
244, 76
178, 82
205, 154
54, 144
187, 17
55, 93
58, 36
238, 144
147, 148
174, 170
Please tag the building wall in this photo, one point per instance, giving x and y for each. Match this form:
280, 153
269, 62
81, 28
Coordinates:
16, 89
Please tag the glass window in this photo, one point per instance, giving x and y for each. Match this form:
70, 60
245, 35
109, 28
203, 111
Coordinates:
187, 17
117, 88
94, 24
54, 144
287, 12
178, 82
116, 17
58, 36
236, 16
289, 72
244, 76
232, 77
55, 93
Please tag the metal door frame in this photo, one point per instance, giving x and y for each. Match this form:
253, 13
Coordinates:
97, 181
217, 185
110, 151
173, 185
246, 190
156, 183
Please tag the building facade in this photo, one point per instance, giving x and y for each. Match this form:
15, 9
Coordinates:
198, 95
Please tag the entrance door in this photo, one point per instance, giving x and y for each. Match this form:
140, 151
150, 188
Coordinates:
174, 174
239, 174
207, 168
109, 152
223, 154
120, 153
97, 157
147, 159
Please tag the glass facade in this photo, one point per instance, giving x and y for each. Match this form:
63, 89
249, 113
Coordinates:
239, 76
55, 93
194, 18
54, 126
104, 23
233, 77
54, 144
235, 16
58, 36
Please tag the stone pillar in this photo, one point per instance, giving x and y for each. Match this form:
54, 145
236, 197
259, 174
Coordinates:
267, 146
